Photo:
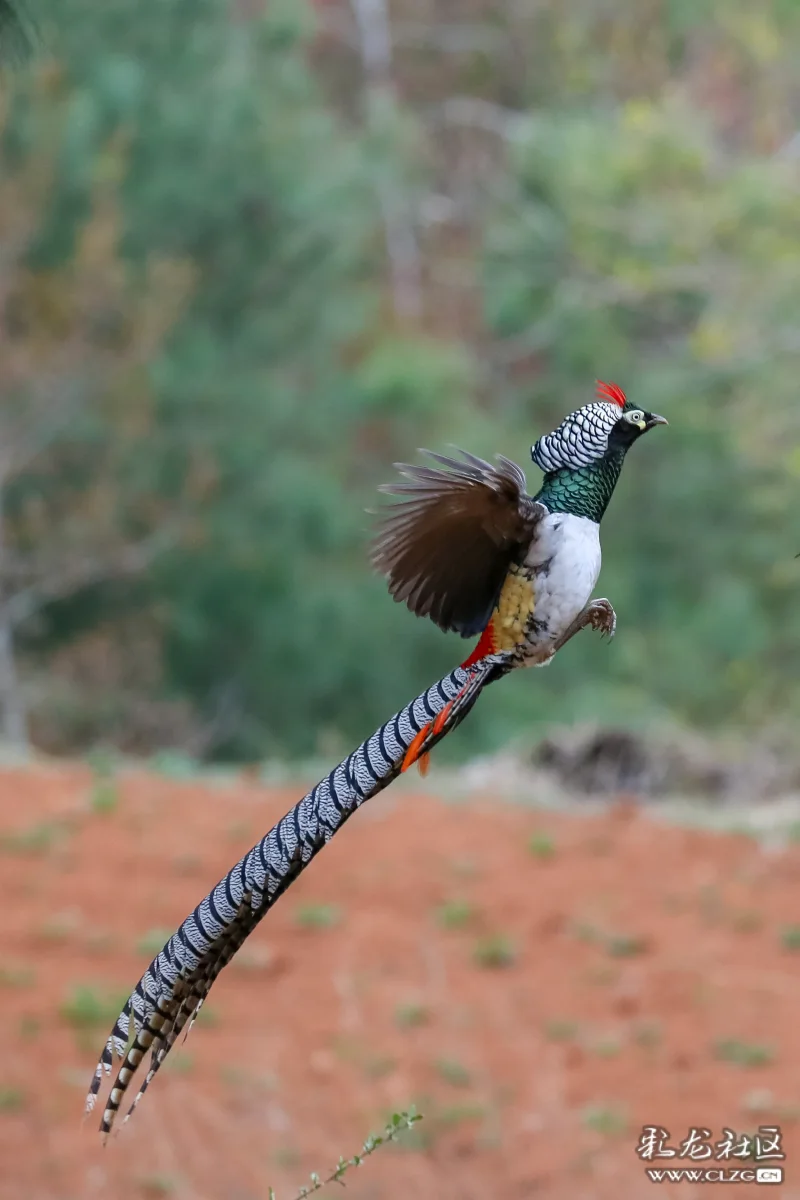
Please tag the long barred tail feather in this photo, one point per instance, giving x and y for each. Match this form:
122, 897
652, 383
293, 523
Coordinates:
168, 997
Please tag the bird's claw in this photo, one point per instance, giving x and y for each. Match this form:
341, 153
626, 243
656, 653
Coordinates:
602, 618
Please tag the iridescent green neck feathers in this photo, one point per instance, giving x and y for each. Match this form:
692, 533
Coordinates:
583, 491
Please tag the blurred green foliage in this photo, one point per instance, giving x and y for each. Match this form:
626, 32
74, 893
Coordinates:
204, 233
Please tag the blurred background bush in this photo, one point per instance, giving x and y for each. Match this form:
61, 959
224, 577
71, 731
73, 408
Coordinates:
251, 254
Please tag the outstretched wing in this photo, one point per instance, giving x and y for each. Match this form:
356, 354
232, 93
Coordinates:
447, 545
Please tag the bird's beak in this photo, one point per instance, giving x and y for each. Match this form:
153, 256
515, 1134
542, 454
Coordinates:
655, 419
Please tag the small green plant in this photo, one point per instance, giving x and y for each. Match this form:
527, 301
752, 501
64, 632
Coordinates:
35, 840
175, 764
157, 1185
494, 951
743, 1054
255, 958
317, 916
180, 1063
12, 976
287, 1157
542, 845
104, 796
453, 1072
560, 1030
790, 937
86, 1008
607, 1119
456, 1114
455, 914
152, 941
29, 1027
207, 1016
608, 1047
465, 868
61, 926
376, 1066
399, 1124
602, 974
625, 945
101, 760
647, 1034
586, 932
411, 1014
12, 1099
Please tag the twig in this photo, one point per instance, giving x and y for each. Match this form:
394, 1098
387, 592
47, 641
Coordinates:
400, 1122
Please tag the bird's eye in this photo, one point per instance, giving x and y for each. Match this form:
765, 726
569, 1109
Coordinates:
635, 417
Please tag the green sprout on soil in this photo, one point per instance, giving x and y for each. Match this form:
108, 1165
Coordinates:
494, 951
790, 937
152, 941
605, 1119
453, 1072
647, 1034
16, 977
743, 1054
625, 945
158, 1185
317, 916
12, 1099
455, 914
29, 1027
411, 1015
86, 1008
180, 1063
399, 1124
104, 796
607, 1047
560, 1030
35, 840
542, 845
61, 926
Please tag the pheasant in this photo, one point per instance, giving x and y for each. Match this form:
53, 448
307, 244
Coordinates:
467, 547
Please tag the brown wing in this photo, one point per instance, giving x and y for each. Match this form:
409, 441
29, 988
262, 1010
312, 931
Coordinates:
446, 546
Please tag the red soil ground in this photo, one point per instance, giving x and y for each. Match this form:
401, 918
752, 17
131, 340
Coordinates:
638, 948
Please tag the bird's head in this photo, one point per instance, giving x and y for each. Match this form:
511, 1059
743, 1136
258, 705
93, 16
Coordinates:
590, 434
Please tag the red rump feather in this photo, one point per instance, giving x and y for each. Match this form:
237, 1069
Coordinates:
611, 392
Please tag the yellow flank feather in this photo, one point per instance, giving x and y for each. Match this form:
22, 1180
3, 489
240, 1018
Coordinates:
515, 606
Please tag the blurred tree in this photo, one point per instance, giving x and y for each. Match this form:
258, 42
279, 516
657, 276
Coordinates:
74, 341
265, 406
14, 30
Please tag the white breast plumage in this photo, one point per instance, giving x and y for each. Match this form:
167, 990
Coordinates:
565, 560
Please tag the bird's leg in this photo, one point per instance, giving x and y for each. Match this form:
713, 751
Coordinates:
599, 614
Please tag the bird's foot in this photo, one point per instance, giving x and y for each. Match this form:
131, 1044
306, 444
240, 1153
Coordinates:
601, 616
598, 614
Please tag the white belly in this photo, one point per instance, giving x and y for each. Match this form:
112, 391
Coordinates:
565, 559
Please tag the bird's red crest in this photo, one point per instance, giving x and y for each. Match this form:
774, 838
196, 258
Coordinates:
612, 393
